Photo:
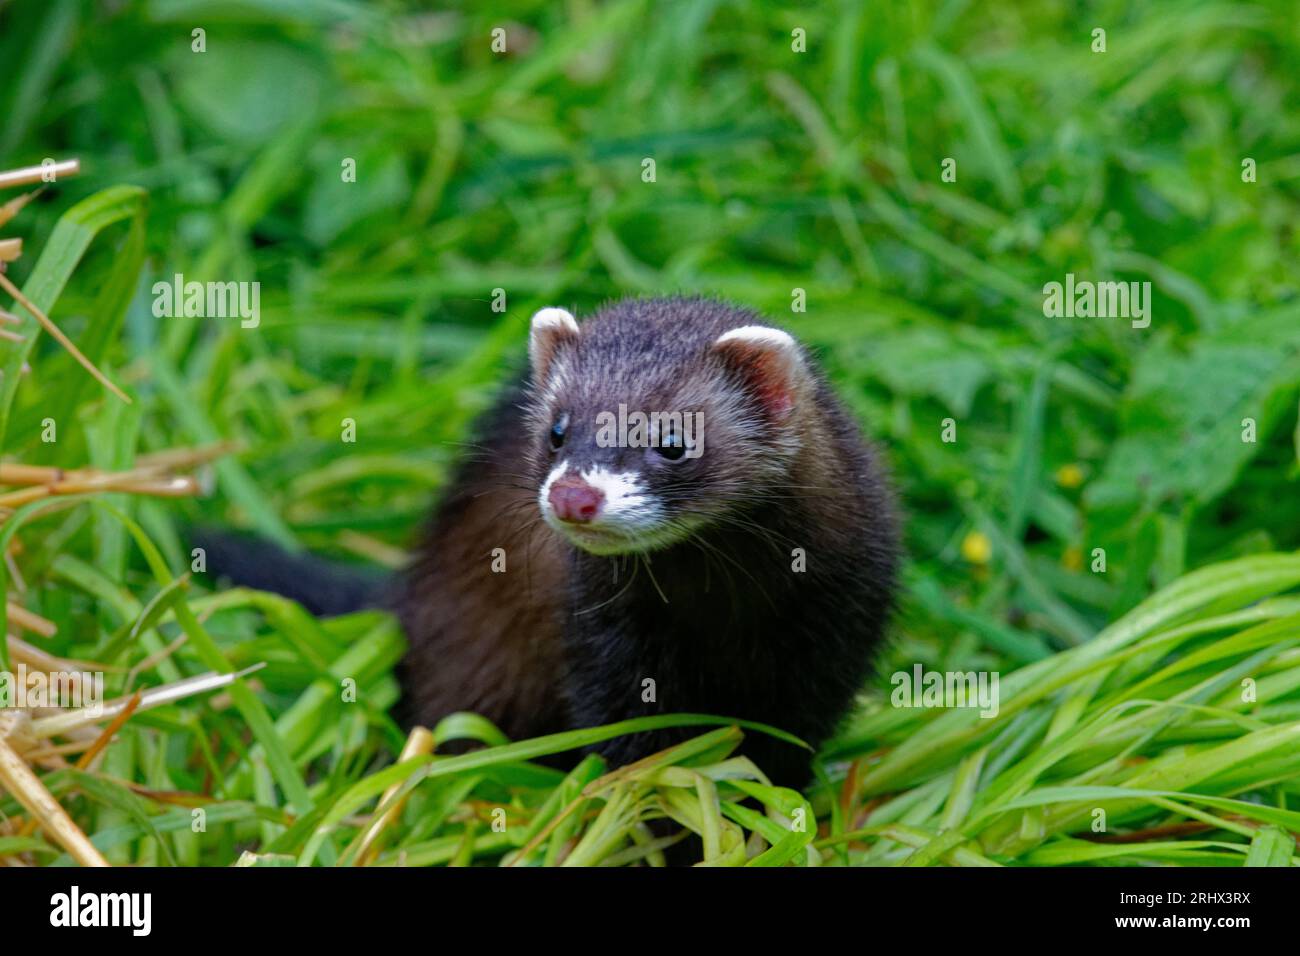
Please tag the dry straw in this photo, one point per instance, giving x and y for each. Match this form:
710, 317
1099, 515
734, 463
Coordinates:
44, 736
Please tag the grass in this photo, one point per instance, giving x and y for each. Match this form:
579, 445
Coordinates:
1149, 712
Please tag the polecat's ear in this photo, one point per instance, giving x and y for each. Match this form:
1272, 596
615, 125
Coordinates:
769, 364
551, 328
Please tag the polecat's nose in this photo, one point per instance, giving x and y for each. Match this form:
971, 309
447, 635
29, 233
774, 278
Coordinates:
575, 501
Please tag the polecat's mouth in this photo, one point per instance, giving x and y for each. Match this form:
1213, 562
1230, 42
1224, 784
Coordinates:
605, 540
601, 541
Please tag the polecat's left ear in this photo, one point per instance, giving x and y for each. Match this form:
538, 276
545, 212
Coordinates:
769, 364
551, 328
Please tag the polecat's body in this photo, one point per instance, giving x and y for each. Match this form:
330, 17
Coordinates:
742, 568
749, 579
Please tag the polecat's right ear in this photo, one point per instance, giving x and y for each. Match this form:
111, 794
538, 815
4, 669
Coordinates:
551, 328
769, 364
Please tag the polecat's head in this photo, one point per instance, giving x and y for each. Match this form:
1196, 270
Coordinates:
647, 426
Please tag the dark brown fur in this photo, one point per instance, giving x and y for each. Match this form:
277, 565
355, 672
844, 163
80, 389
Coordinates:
719, 620
482, 641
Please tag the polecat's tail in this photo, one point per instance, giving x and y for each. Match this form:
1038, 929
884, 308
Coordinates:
323, 587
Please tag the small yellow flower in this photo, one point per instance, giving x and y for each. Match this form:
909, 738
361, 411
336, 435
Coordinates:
1072, 559
976, 548
1069, 476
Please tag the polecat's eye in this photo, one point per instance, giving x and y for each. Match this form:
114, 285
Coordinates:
557, 431
671, 446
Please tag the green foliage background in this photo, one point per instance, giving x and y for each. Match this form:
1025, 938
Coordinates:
776, 171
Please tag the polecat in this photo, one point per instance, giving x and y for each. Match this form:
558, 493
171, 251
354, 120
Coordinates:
733, 552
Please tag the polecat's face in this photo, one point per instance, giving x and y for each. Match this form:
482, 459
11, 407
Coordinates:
638, 443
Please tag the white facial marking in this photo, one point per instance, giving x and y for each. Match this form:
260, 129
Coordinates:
627, 513
627, 507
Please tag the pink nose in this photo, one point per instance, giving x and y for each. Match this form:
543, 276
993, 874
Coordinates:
575, 501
